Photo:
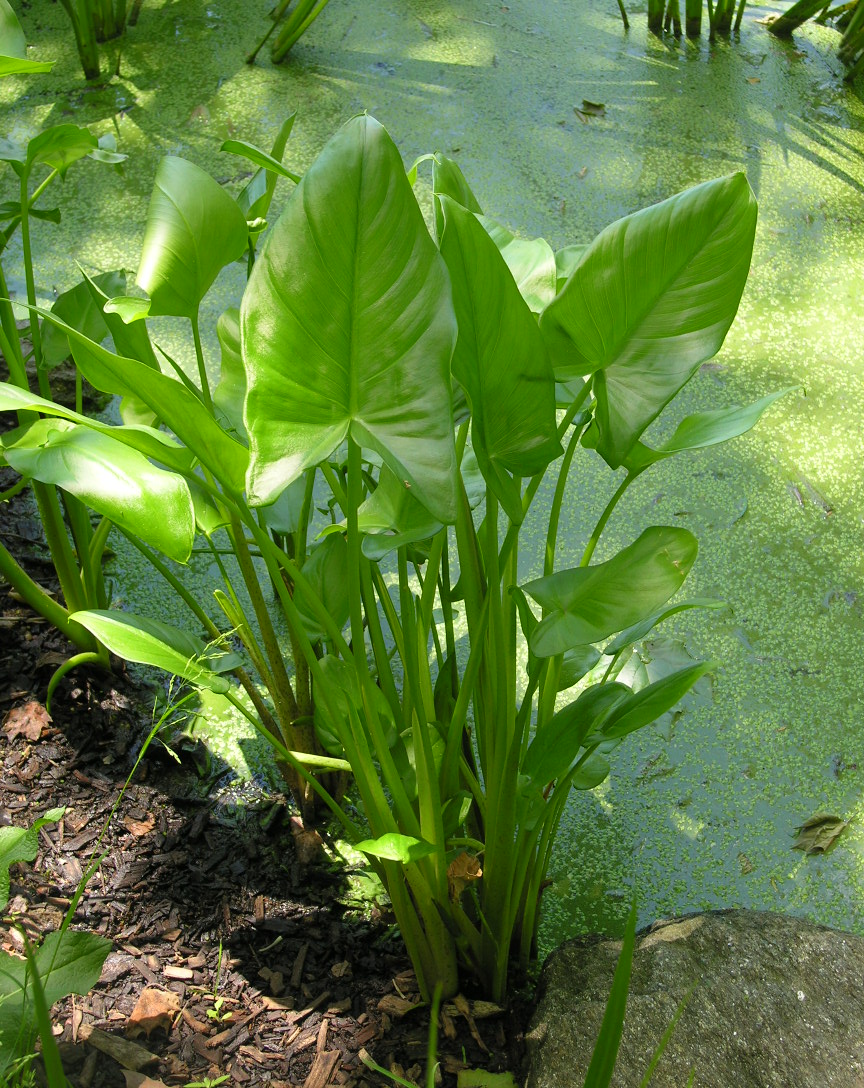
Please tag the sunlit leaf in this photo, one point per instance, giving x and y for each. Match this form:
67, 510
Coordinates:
650, 301
114, 479
819, 834
394, 847
348, 327
151, 642
586, 604
194, 228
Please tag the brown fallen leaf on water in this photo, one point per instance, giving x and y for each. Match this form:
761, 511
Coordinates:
818, 834
155, 1009
753, 79
28, 721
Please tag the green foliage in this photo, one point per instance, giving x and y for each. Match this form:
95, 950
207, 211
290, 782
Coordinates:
387, 409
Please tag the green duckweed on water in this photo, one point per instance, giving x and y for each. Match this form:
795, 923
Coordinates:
699, 812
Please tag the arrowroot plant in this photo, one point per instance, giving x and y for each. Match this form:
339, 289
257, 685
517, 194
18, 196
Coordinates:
390, 401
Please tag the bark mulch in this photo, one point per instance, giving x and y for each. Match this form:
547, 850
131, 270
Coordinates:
230, 957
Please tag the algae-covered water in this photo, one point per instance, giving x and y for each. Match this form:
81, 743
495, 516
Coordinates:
700, 813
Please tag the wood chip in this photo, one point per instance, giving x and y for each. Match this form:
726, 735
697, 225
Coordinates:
296, 1017
181, 974
129, 1055
322, 1069
321, 1041
155, 1009
297, 969
196, 1025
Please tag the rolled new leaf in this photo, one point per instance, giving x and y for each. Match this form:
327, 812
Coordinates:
347, 327
500, 361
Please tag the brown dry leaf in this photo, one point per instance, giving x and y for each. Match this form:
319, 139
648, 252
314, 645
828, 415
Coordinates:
28, 721
461, 1005
155, 1009
307, 841
753, 79
139, 827
139, 1080
397, 1006
818, 834
461, 871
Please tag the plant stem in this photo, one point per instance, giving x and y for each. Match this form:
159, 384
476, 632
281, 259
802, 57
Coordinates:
202, 368
604, 517
34, 595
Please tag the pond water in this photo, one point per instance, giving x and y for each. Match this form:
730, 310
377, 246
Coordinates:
700, 813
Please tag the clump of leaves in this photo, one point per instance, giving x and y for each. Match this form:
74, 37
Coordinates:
390, 402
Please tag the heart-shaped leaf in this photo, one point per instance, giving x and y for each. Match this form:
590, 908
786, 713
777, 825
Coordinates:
650, 301
347, 327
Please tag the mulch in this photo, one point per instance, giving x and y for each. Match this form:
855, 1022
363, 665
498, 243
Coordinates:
253, 964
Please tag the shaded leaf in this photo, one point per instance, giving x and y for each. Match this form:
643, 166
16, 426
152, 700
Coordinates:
500, 361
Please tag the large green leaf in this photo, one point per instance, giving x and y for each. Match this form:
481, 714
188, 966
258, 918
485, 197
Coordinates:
156, 444
697, 431
176, 405
151, 642
586, 604
531, 262
650, 301
194, 228
500, 360
68, 962
348, 327
111, 478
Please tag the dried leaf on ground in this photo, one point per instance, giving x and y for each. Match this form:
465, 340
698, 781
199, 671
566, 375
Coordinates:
307, 841
28, 721
818, 834
155, 1009
139, 1080
139, 827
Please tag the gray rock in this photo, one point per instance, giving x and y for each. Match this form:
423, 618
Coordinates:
776, 1002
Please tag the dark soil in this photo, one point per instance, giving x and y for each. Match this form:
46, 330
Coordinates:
201, 893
